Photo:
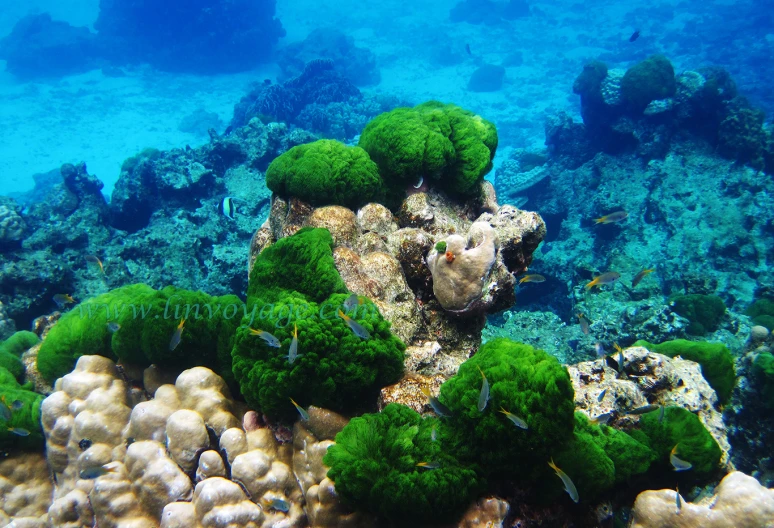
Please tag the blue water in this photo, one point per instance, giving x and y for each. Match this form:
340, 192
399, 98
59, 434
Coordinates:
156, 99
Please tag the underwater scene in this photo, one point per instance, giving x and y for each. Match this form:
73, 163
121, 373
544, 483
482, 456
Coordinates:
360, 264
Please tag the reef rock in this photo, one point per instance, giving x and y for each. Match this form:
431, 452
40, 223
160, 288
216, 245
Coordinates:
648, 378
427, 297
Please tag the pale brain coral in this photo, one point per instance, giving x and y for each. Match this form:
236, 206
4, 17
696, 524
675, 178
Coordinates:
11, 225
740, 501
164, 455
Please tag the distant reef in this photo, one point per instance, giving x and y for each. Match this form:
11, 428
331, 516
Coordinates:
202, 37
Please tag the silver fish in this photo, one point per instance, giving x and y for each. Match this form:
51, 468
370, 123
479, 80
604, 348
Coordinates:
518, 422
602, 419
96, 471
661, 413
433, 434
356, 327
483, 397
678, 502
599, 349
268, 338
601, 395
293, 350
350, 302
5, 412
644, 409
678, 463
277, 504
439, 408
177, 335
304, 414
569, 487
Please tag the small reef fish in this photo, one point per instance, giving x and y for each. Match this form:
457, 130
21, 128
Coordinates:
62, 300
678, 502
227, 207
439, 408
533, 277
433, 434
97, 471
428, 465
599, 349
643, 410
5, 412
584, 324
617, 347
602, 419
351, 302
268, 338
18, 431
301, 410
609, 277
601, 395
678, 463
661, 413
177, 335
635, 36
293, 350
641, 275
483, 396
280, 505
569, 487
419, 183
113, 327
356, 327
518, 422
612, 218
91, 259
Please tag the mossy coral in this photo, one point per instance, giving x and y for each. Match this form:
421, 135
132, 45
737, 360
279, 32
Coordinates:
679, 427
704, 312
762, 312
448, 146
524, 381
374, 465
12, 348
589, 82
146, 319
326, 172
763, 374
717, 364
294, 286
646, 81
25, 416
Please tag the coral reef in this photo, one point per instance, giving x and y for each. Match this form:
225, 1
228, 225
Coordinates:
39, 47
11, 224
319, 83
204, 38
358, 65
487, 78
161, 227
382, 257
